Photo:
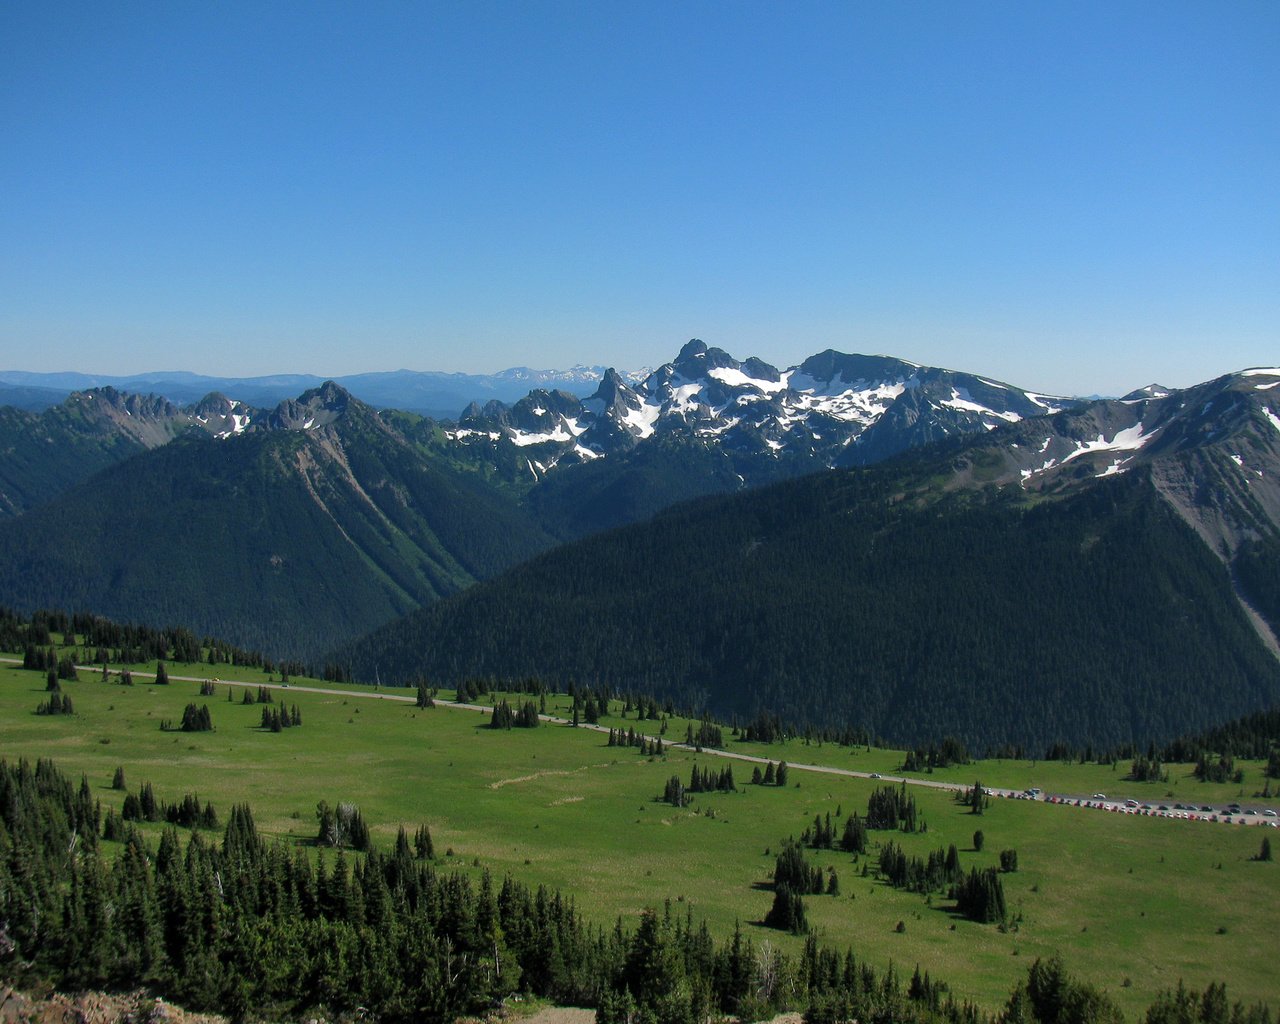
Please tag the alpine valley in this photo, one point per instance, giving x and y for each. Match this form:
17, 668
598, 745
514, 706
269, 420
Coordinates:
856, 540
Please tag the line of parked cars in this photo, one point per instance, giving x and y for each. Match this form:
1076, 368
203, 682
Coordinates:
1205, 812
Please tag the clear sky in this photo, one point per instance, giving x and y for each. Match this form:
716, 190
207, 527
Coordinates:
1075, 197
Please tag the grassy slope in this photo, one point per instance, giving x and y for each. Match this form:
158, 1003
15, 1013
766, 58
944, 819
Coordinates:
1119, 897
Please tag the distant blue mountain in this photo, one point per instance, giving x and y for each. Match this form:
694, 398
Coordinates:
428, 392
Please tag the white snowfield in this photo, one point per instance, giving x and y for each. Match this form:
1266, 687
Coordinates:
962, 400
861, 402
1048, 403
1275, 420
1127, 440
239, 422
522, 440
641, 421
738, 379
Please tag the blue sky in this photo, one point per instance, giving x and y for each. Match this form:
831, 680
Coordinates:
1073, 197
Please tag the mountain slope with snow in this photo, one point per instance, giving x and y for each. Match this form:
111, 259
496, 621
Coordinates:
831, 410
278, 529
1213, 451
1107, 574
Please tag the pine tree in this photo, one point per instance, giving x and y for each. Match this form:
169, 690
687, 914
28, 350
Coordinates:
147, 803
977, 799
787, 913
162, 674
423, 845
854, 839
503, 717
196, 719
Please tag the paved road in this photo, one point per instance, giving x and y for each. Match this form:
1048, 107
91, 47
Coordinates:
1114, 806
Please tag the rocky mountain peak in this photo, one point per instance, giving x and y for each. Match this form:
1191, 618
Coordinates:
316, 407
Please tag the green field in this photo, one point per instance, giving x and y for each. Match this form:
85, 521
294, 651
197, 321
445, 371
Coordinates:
1132, 904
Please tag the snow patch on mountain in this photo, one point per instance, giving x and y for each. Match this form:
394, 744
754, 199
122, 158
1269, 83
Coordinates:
641, 420
1048, 403
1129, 439
860, 402
832, 409
521, 439
239, 424
1116, 467
737, 379
962, 400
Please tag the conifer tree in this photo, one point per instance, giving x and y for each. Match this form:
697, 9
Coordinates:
422, 843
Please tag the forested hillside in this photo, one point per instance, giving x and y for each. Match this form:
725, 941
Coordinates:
44, 453
279, 540
848, 598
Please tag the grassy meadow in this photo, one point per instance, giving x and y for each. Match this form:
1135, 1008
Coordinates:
1132, 904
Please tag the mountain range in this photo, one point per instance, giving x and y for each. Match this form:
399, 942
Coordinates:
1105, 574
854, 539
275, 529
429, 393
832, 409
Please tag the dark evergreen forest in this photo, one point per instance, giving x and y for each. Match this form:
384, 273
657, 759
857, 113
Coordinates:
863, 599
269, 540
